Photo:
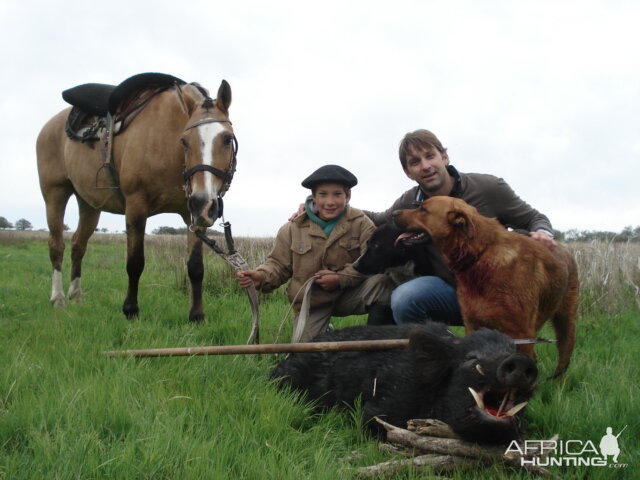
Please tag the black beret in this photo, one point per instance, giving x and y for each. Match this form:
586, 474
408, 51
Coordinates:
330, 174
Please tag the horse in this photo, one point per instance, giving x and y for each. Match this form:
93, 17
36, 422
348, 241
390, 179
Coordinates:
177, 155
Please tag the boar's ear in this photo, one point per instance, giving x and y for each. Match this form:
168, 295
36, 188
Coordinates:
432, 354
460, 220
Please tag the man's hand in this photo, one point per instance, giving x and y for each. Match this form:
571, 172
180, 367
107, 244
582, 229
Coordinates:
543, 238
328, 281
297, 213
247, 278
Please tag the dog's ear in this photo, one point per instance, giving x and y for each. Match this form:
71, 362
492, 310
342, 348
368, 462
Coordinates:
462, 221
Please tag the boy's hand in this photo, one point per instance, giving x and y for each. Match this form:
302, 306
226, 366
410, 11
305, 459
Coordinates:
247, 278
328, 281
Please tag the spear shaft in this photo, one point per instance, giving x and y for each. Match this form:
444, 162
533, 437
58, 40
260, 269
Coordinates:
347, 346
353, 346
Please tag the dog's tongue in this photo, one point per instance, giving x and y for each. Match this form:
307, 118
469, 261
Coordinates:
402, 236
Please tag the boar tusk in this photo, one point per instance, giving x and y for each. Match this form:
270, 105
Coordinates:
479, 369
516, 409
504, 401
477, 397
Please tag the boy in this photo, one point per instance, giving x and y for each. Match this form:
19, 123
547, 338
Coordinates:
323, 242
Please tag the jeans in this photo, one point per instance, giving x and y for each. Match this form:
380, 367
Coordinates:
426, 298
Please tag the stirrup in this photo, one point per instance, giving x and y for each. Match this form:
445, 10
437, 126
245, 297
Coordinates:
112, 179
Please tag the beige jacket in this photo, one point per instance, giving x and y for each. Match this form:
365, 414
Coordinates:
301, 249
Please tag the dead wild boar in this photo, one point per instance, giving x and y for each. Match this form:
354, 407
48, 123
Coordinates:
478, 384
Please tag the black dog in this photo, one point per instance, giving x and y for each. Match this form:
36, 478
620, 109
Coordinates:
476, 384
389, 247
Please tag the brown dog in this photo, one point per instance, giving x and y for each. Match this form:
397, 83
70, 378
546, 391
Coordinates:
504, 280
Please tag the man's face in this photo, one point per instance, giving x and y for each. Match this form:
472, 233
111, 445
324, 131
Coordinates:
428, 166
330, 200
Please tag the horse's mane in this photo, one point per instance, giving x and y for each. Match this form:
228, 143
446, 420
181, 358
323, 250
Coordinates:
208, 103
203, 91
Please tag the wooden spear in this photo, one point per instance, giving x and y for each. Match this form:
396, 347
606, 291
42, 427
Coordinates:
353, 346
347, 346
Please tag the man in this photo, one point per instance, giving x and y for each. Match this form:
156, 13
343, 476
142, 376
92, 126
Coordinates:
320, 245
426, 161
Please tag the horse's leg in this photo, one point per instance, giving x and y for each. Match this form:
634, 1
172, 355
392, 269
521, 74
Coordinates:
87, 224
195, 269
136, 224
56, 199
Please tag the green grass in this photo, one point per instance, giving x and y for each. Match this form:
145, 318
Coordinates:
67, 411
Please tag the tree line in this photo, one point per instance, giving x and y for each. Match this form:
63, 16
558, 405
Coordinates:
628, 234
21, 224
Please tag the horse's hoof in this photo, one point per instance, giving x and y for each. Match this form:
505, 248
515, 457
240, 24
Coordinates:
130, 312
76, 296
57, 302
196, 317
75, 292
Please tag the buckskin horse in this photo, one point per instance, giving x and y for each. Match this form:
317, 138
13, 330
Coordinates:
153, 144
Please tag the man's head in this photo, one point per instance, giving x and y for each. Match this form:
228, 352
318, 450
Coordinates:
419, 140
425, 161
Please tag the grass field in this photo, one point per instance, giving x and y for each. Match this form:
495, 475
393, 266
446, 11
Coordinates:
68, 412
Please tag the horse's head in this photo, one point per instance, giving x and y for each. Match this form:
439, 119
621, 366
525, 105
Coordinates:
210, 156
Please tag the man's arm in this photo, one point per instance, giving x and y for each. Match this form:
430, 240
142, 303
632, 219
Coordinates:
515, 212
406, 200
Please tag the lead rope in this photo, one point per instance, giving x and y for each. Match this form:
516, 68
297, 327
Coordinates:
237, 263
304, 308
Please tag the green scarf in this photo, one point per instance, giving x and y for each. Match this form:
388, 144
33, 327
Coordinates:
326, 226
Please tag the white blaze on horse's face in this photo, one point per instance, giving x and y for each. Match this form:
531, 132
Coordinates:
208, 144
208, 134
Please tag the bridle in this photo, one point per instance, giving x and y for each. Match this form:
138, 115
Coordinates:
226, 176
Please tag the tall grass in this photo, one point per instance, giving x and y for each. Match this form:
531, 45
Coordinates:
66, 411
609, 275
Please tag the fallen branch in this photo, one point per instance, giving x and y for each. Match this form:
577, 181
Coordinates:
396, 450
438, 463
455, 447
434, 428
445, 446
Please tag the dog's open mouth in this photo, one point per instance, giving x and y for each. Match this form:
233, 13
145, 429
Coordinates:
496, 404
412, 238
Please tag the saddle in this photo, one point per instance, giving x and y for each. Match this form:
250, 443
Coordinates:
101, 111
93, 103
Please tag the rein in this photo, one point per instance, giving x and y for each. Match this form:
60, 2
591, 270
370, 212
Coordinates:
238, 264
305, 306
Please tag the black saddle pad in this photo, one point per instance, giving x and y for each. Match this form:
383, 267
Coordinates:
92, 98
100, 99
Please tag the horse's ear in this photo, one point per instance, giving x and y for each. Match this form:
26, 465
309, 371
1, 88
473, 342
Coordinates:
224, 95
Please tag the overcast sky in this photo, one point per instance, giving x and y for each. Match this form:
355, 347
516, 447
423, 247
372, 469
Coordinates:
545, 94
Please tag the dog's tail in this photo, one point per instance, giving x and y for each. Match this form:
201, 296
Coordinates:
564, 321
